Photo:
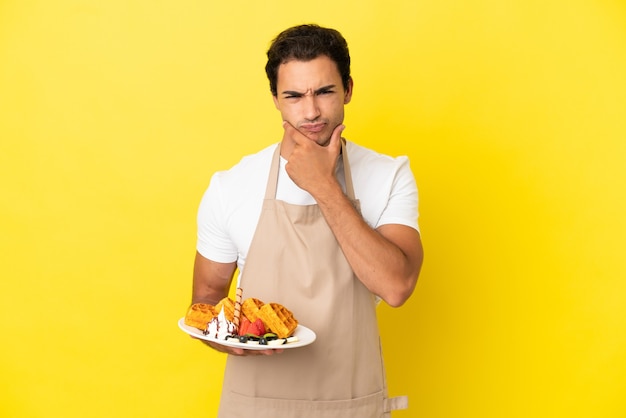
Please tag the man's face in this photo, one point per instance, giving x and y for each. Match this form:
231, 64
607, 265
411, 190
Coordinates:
310, 96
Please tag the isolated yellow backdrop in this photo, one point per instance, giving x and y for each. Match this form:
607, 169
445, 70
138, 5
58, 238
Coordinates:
114, 115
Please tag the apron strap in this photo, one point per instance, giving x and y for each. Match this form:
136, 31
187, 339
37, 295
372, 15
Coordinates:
346, 171
272, 183
396, 403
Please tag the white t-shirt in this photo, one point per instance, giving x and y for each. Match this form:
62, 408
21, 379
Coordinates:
231, 206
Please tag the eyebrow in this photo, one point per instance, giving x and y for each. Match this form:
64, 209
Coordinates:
320, 90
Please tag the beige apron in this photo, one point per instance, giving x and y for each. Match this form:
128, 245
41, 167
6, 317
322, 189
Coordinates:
294, 259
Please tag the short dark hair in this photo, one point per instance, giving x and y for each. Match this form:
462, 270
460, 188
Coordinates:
305, 43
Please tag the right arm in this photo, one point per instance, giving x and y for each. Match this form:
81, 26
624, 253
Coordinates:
211, 283
211, 280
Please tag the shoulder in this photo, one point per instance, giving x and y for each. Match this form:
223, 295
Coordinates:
384, 185
250, 167
369, 163
235, 187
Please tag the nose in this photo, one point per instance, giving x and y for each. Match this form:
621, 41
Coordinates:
310, 107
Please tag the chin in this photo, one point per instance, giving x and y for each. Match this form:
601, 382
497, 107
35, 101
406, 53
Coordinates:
322, 140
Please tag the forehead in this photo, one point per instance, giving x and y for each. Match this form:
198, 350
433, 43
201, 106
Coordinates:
302, 75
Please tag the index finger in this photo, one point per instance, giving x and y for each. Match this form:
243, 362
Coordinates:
293, 133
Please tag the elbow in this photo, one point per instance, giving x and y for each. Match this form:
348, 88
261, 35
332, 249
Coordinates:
396, 302
401, 293
404, 281
407, 280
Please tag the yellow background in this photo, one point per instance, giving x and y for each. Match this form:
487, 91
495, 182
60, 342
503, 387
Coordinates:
114, 114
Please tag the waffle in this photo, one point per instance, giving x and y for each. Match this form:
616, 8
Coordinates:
199, 314
229, 308
278, 319
250, 308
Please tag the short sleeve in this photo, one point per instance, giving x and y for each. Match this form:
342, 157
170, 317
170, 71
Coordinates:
402, 206
213, 241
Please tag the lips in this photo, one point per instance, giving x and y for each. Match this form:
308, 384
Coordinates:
313, 127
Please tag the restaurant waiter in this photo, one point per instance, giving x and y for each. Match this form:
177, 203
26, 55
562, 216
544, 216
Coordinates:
321, 225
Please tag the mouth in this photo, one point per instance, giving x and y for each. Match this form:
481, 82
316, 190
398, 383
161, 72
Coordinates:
312, 128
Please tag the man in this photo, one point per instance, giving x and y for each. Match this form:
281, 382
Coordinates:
320, 225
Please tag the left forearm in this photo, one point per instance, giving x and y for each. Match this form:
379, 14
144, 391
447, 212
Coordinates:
380, 262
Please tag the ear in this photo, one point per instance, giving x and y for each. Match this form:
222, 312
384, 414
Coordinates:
275, 101
348, 94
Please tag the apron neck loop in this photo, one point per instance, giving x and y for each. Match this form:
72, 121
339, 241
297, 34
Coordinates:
272, 183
